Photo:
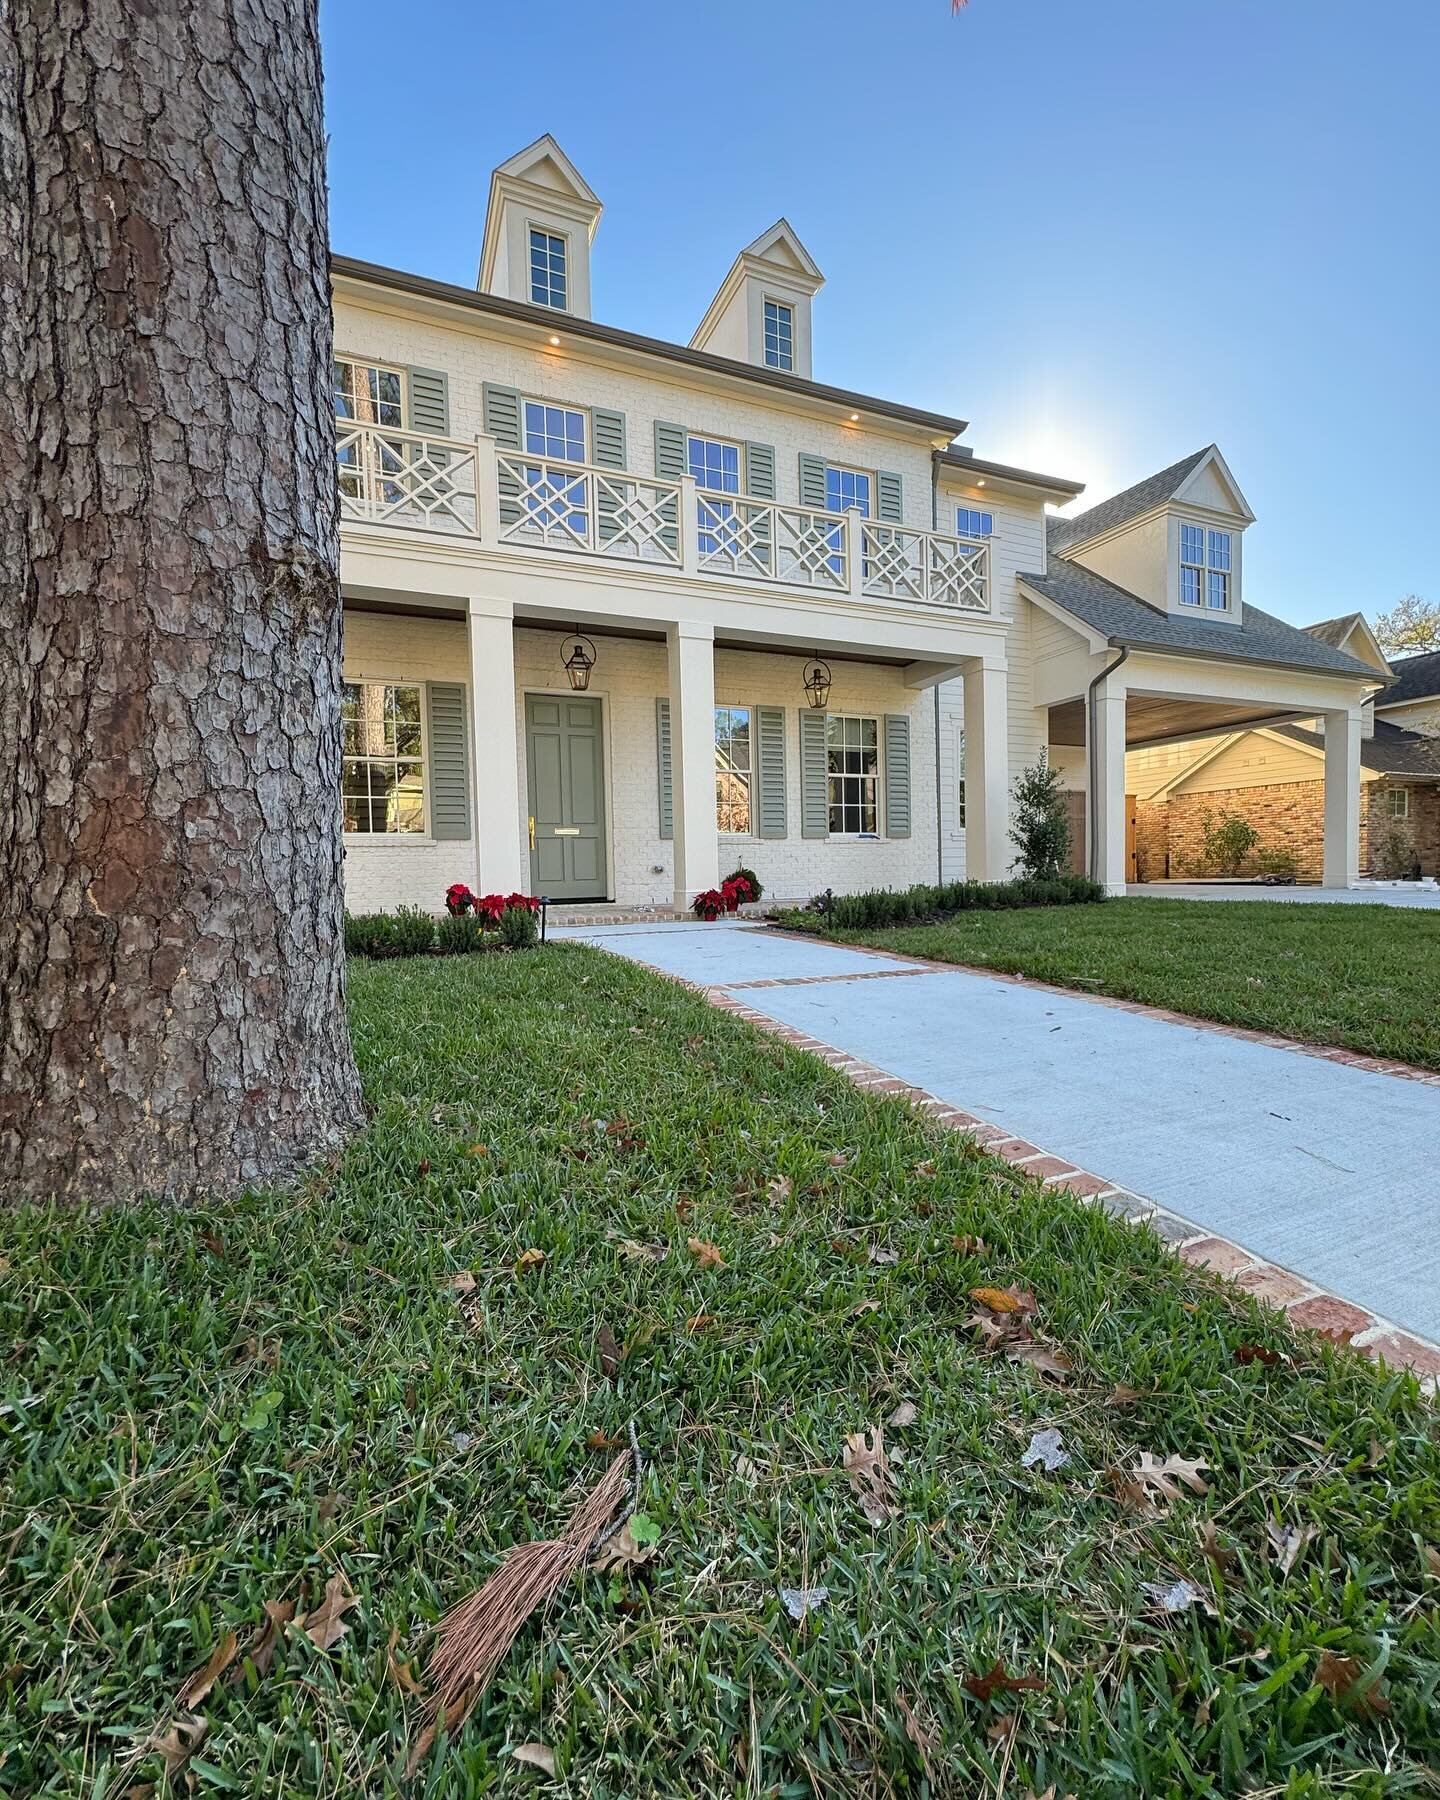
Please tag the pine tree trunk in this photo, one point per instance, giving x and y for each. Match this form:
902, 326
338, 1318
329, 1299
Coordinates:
171, 944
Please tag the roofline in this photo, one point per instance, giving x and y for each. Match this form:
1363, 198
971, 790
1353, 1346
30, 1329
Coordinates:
423, 287
1059, 484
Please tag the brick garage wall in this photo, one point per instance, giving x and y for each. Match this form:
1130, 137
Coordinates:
1152, 839
1289, 816
1422, 828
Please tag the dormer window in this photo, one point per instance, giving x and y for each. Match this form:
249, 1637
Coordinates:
1204, 568
971, 523
779, 335
547, 269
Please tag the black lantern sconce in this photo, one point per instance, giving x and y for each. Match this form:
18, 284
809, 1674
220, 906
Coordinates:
579, 660
817, 683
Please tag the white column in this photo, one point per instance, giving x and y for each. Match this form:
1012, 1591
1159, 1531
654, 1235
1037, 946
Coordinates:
692, 758
987, 772
501, 864
1342, 798
1107, 803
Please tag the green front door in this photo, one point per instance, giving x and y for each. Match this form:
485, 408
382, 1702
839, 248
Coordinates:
565, 761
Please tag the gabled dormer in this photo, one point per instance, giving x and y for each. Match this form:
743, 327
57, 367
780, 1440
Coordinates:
762, 313
1173, 539
539, 227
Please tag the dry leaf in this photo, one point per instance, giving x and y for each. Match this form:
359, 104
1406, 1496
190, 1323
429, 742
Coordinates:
1432, 1560
864, 1306
213, 1244
1161, 1477
702, 1321
1174, 1596
1224, 1559
327, 1506
1037, 1355
529, 1259
1120, 1395
869, 1472
706, 1255
400, 1672
877, 1255
925, 1170
779, 1188
1131, 1493
325, 1626
837, 1159
648, 1252
968, 1245
539, 1756
176, 1746
800, 1601
1045, 1449
598, 1440
925, 1738
1338, 1675
747, 1471
996, 1681
623, 1552
611, 1355
199, 1683
260, 1652
1000, 1300
1003, 1729
464, 1282
1256, 1353
1286, 1543
906, 1413
479, 1150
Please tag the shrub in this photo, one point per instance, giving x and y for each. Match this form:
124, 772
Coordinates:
1395, 855
459, 935
742, 874
408, 932
1228, 842
1275, 862
709, 903
887, 906
519, 929
1041, 832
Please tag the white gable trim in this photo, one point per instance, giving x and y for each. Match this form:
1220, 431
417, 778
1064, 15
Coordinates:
1093, 640
1212, 460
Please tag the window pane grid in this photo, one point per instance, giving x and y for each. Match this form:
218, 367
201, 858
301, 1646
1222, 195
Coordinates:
852, 755
547, 269
1204, 568
383, 773
779, 335
733, 769
971, 523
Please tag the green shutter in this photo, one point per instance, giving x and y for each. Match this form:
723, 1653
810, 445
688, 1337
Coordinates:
449, 761
897, 775
430, 402
502, 415
814, 782
760, 471
662, 764
770, 771
889, 497
812, 480
669, 450
609, 433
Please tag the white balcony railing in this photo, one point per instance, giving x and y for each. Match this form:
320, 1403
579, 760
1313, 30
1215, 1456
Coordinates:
510, 500
903, 564
405, 478
579, 507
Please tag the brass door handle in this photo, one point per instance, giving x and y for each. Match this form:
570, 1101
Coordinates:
532, 831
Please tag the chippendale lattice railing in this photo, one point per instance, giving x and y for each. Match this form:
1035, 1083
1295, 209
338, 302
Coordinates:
745, 537
578, 506
901, 564
406, 478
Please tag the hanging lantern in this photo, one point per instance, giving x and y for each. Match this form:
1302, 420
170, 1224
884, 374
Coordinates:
817, 683
579, 660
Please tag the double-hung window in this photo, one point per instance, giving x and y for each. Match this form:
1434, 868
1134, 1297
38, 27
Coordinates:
1397, 803
559, 501
1204, 568
734, 766
547, 269
972, 523
383, 772
852, 759
779, 335
715, 466
368, 394
846, 490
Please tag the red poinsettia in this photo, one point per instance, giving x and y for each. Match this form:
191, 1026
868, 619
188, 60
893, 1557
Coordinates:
526, 902
735, 891
708, 904
458, 898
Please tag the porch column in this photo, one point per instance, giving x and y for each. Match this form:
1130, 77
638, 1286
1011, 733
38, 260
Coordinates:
1107, 803
987, 772
1342, 798
501, 866
692, 758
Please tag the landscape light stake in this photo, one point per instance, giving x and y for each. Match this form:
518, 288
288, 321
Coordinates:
544, 914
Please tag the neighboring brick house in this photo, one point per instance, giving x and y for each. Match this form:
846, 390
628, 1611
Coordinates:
621, 613
1272, 777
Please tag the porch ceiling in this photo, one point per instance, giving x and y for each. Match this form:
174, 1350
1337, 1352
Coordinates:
1152, 719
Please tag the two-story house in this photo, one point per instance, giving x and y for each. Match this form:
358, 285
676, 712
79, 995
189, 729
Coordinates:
623, 614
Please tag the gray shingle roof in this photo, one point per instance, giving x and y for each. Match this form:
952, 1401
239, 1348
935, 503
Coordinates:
1124, 618
1335, 631
1392, 751
1416, 677
1153, 491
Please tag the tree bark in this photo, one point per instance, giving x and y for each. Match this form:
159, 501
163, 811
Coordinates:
171, 933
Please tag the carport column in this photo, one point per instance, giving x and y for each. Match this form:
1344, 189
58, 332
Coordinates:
1108, 801
987, 772
692, 758
501, 867
1342, 798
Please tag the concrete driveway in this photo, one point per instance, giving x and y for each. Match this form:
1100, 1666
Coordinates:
1331, 1171
1310, 896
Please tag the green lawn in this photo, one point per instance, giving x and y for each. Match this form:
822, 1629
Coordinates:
1367, 977
207, 1411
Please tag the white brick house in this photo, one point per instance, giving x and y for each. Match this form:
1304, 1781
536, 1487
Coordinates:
713, 521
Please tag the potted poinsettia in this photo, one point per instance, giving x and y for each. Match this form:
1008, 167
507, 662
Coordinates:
708, 904
735, 890
458, 899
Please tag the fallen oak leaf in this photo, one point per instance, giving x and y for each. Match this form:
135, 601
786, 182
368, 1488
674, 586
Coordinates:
1162, 1477
174, 1747
400, 1672
1341, 1676
779, 1188
529, 1259
1045, 1449
539, 1756
1035, 1354
1286, 1542
464, 1282
705, 1254
636, 1543
1245, 1354
199, 1683
325, 1625
260, 1652
925, 1738
1223, 1558
906, 1413
611, 1355
996, 1681
869, 1471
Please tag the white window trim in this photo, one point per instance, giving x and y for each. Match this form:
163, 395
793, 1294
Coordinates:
859, 837
559, 406
566, 239
869, 474
740, 837
973, 537
390, 839
1392, 794
1202, 607
729, 443
790, 307
384, 367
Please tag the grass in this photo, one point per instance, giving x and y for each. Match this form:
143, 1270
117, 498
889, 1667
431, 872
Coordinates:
1365, 977
207, 1410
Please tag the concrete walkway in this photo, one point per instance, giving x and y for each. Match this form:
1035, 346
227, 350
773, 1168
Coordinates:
1332, 1172
1313, 896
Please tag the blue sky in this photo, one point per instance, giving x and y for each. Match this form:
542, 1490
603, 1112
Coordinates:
1104, 233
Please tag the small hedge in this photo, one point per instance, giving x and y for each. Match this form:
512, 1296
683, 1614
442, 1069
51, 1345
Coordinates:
924, 904
411, 931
